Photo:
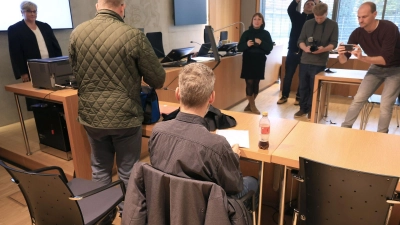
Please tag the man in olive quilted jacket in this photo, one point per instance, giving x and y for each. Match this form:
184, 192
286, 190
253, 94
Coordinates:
109, 59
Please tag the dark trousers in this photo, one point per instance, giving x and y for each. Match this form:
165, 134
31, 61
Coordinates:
125, 144
306, 77
291, 63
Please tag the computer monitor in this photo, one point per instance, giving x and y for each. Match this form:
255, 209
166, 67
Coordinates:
177, 54
227, 47
210, 32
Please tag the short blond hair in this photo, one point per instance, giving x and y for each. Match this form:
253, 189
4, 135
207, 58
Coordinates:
27, 5
196, 84
320, 9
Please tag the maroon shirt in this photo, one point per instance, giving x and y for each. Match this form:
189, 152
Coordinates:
383, 41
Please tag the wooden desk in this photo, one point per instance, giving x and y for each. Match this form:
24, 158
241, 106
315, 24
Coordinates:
337, 89
280, 128
348, 148
229, 87
80, 147
322, 89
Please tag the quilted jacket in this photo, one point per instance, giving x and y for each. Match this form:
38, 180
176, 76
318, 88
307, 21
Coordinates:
109, 58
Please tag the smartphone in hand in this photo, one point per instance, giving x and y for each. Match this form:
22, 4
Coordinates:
348, 47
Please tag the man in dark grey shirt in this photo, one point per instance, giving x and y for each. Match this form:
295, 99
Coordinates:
318, 36
184, 146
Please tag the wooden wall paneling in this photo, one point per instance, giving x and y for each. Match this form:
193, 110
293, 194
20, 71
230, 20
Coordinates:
223, 13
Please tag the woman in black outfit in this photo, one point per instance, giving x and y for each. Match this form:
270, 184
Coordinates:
30, 39
255, 43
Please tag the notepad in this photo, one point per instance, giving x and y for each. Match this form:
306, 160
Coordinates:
240, 137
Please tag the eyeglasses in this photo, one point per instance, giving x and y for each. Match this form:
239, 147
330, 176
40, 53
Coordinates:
31, 11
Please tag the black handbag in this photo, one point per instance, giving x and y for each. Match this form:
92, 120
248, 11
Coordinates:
214, 118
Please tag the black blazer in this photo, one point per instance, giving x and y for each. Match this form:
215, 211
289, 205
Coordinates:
23, 45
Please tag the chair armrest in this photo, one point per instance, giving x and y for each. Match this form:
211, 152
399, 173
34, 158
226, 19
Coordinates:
250, 194
393, 202
100, 189
247, 196
296, 176
60, 171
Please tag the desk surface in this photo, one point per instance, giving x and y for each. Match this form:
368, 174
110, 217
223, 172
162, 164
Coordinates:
27, 90
280, 128
349, 148
343, 75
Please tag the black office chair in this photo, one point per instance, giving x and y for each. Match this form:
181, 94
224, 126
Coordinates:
332, 195
155, 197
206, 38
156, 42
51, 199
223, 35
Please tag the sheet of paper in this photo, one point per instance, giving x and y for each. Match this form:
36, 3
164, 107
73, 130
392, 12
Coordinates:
240, 137
203, 59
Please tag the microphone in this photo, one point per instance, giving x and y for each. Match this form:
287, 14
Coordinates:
328, 70
230, 26
196, 42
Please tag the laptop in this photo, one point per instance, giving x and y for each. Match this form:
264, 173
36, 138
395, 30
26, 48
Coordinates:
177, 54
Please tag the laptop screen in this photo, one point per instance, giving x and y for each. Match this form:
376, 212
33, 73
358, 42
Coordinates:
177, 54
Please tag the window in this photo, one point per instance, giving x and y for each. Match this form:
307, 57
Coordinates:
347, 16
277, 21
392, 11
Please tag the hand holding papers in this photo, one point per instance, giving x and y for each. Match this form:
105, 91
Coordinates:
240, 137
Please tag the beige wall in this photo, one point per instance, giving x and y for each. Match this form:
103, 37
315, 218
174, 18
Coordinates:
152, 15
248, 8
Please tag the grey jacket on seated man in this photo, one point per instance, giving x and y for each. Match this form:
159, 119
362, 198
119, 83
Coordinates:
155, 197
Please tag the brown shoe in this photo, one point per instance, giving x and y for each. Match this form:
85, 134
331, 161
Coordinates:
300, 113
282, 100
252, 104
247, 108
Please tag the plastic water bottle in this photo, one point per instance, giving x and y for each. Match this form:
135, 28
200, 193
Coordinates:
264, 131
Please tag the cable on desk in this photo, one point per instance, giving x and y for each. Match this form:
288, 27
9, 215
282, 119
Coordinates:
48, 94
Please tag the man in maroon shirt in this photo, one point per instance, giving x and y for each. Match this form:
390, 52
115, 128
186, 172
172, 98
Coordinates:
380, 41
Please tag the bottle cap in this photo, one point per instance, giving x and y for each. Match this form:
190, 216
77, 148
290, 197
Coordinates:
265, 113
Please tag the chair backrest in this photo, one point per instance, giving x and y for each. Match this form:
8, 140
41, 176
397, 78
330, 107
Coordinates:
155, 39
332, 195
206, 38
167, 199
46, 196
223, 35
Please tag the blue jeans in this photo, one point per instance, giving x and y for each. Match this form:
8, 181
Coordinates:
124, 143
291, 63
307, 74
372, 80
